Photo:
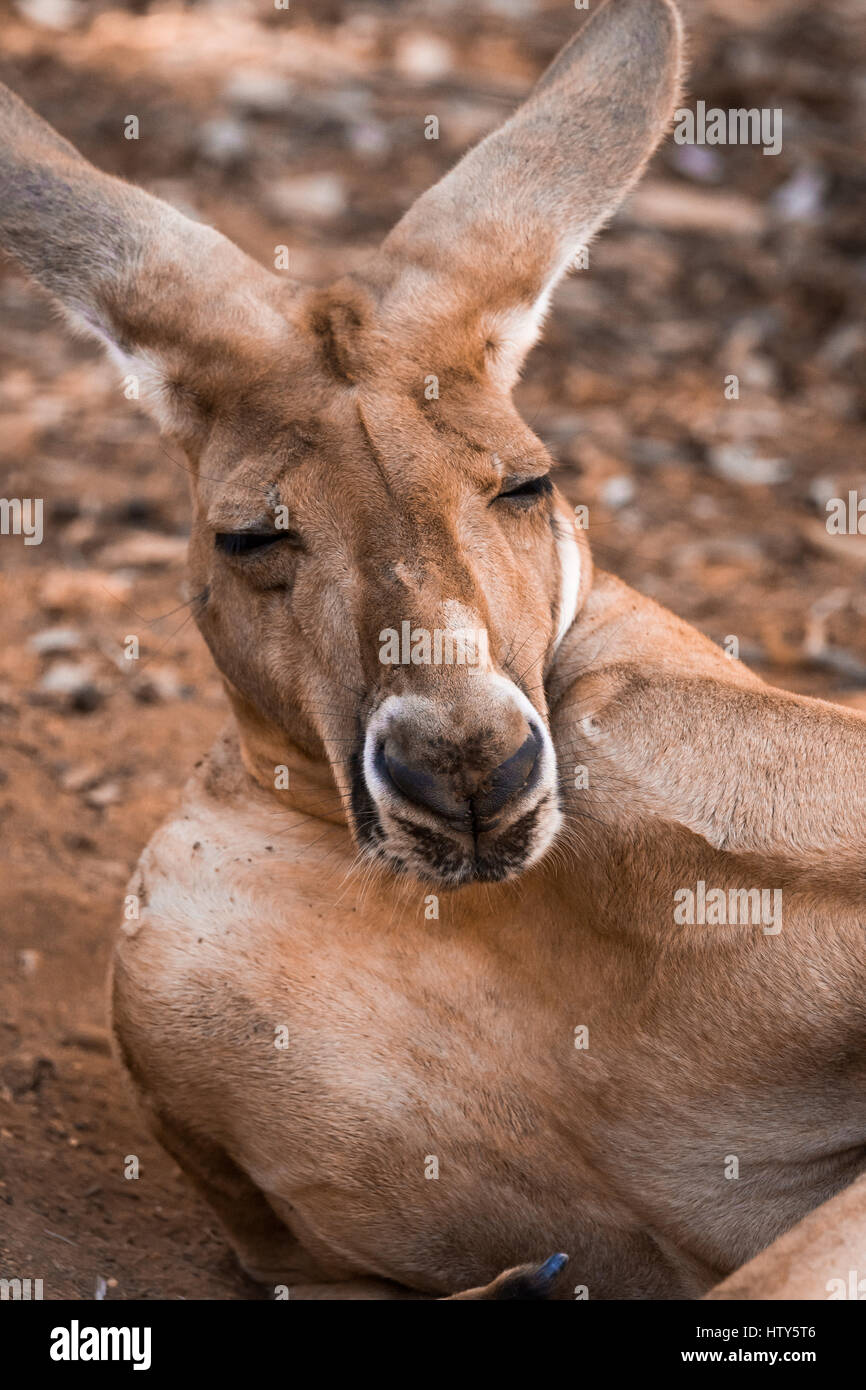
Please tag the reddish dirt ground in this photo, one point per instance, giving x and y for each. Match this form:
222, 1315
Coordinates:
725, 262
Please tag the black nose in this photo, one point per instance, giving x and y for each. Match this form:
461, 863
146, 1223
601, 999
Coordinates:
444, 782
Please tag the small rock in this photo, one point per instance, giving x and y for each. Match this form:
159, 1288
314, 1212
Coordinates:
658, 203
841, 345
28, 961
850, 548
48, 412
821, 489
50, 14
801, 198
697, 162
617, 492
223, 140
510, 9
159, 683
318, 196
70, 685
56, 641
759, 372
88, 1040
369, 138
83, 590
24, 1075
80, 777
423, 57
144, 550
105, 794
110, 869
718, 550
80, 533
260, 91
740, 464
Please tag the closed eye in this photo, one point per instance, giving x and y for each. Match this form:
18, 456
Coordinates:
526, 489
239, 543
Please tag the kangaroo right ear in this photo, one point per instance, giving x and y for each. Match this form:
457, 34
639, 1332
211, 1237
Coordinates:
470, 269
172, 300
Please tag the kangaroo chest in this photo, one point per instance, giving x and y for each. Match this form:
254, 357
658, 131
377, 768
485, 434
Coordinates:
398, 1082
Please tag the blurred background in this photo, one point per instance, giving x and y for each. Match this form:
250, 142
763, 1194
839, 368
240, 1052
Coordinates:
304, 127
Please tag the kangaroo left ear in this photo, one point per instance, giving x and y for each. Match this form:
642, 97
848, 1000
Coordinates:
470, 269
172, 301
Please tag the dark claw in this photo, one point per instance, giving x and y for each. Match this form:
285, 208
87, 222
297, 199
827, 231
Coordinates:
532, 1281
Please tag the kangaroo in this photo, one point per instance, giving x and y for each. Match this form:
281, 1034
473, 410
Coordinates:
508, 916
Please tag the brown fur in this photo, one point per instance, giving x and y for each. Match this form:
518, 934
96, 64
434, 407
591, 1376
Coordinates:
455, 1037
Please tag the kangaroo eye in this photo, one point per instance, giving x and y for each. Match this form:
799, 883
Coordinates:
247, 542
528, 489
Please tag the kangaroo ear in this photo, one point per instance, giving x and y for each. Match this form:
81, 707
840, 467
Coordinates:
170, 298
471, 267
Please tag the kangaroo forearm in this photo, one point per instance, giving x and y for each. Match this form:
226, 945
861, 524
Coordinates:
753, 771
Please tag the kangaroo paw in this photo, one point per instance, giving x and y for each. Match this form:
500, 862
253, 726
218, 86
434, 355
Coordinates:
524, 1281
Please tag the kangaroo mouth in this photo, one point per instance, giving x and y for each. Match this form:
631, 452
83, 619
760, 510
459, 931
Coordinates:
505, 857
440, 857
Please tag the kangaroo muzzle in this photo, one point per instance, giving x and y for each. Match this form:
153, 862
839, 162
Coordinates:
462, 789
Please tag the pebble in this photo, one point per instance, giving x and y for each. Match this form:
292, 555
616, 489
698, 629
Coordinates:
144, 550
316, 196
106, 794
257, 90
423, 57
80, 777
821, 489
83, 590
369, 138
223, 140
71, 685
56, 641
158, 684
739, 464
617, 492
801, 198
25, 1075
678, 208
50, 14
697, 162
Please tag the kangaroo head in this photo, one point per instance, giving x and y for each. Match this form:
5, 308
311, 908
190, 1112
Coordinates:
383, 566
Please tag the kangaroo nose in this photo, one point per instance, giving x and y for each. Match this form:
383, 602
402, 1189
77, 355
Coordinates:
458, 791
